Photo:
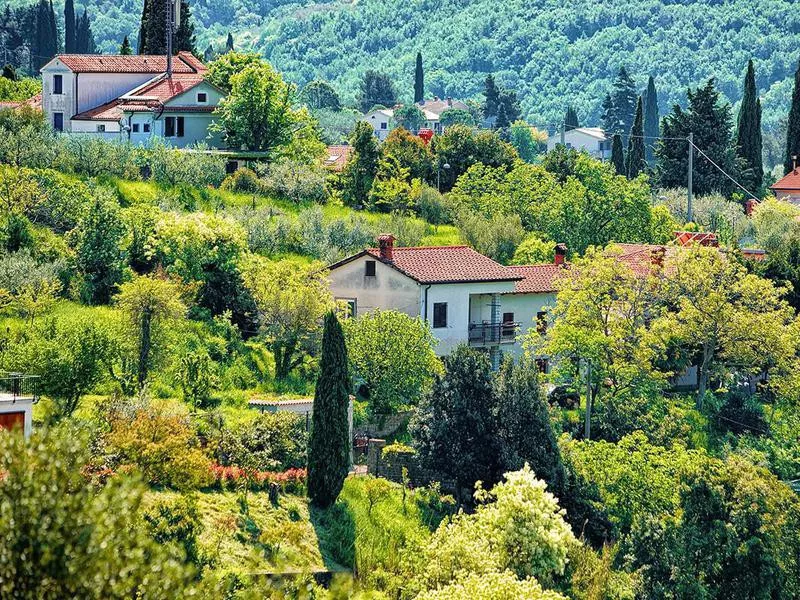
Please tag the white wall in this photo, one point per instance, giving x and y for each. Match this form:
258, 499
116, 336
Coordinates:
377, 119
24, 405
579, 140
525, 307
388, 289
112, 128
95, 89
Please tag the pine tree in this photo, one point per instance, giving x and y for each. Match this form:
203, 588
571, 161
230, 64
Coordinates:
510, 103
208, 55
229, 43
125, 49
571, 119
329, 444
69, 26
635, 161
419, 80
623, 105
617, 154
607, 118
651, 129
793, 126
492, 94
359, 172
376, 89
748, 130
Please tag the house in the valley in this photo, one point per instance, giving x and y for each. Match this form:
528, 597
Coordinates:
131, 98
17, 395
383, 121
592, 140
788, 187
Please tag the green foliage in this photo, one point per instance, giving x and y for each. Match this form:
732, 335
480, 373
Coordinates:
268, 442
460, 147
522, 138
748, 131
393, 354
456, 116
175, 520
620, 109
497, 237
376, 88
409, 117
571, 119
362, 166
651, 124
419, 80
533, 250
196, 375
410, 152
328, 447
320, 95
793, 126
635, 161
12, 90
490, 586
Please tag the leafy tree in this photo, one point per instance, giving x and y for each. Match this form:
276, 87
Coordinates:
461, 148
291, 301
362, 166
571, 119
125, 49
651, 127
9, 72
456, 116
320, 95
490, 586
221, 71
376, 88
409, 117
496, 237
411, 152
70, 45
329, 445
521, 136
617, 154
196, 378
90, 530
793, 126
419, 80
393, 354
533, 250
635, 161
748, 130
150, 305
454, 430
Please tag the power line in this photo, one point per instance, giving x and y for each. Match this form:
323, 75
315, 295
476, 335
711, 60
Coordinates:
721, 170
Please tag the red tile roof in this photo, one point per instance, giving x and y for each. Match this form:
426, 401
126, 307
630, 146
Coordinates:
441, 264
183, 62
337, 157
537, 279
33, 102
789, 183
687, 238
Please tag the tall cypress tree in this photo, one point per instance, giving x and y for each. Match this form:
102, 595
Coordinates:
46, 42
651, 129
634, 161
51, 15
419, 80
607, 118
208, 55
617, 154
152, 33
329, 444
492, 95
623, 104
143, 24
229, 43
571, 119
85, 39
69, 26
793, 129
748, 129
125, 49
184, 39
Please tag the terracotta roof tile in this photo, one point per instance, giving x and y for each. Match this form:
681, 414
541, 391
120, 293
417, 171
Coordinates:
183, 62
790, 182
337, 157
446, 264
165, 88
537, 279
704, 238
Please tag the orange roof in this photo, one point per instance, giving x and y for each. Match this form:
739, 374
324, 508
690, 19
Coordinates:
183, 62
687, 238
337, 157
788, 183
536, 279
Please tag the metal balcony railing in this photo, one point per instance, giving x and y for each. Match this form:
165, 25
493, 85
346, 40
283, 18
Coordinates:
18, 386
492, 334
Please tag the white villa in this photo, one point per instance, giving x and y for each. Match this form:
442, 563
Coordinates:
382, 119
591, 139
131, 98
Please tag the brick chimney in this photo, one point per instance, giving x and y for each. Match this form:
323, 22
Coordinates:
449, 101
561, 254
794, 164
657, 256
750, 206
386, 246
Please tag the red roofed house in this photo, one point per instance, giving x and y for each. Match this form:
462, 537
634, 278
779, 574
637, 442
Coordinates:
788, 188
130, 98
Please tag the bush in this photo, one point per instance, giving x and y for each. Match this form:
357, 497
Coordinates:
243, 180
291, 481
294, 181
175, 519
271, 441
496, 237
742, 413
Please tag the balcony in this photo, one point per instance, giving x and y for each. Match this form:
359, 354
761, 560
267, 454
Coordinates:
16, 386
492, 334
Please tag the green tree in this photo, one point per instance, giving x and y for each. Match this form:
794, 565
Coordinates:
393, 354
460, 148
749, 145
453, 116
793, 126
522, 138
409, 117
125, 49
635, 161
69, 27
196, 378
221, 71
419, 80
84, 38
491, 94
617, 154
571, 119
622, 108
329, 445
152, 32
411, 152
362, 166
321, 95
229, 43
376, 88
651, 127
291, 302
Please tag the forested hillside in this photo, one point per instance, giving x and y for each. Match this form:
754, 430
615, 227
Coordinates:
552, 53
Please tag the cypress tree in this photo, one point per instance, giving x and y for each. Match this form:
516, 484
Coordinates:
329, 444
793, 126
362, 166
51, 15
651, 129
634, 161
184, 39
622, 109
607, 118
617, 154
69, 26
85, 39
571, 119
46, 45
419, 80
492, 94
229, 43
208, 55
152, 34
748, 129
143, 24
125, 49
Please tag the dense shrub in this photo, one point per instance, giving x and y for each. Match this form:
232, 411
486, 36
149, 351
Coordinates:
294, 181
291, 481
269, 442
243, 180
175, 519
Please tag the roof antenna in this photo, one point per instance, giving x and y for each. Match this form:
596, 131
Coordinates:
173, 8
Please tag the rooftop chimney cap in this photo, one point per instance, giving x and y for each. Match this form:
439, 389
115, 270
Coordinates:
386, 246
560, 254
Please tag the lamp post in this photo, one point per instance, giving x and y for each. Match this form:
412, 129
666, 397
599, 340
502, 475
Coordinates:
445, 166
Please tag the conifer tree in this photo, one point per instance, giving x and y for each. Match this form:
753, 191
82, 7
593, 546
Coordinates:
152, 33
229, 43
51, 15
184, 39
571, 119
9, 72
329, 444
492, 95
419, 80
748, 130
125, 49
607, 117
618, 154
69, 26
634, 160
793, 126
208, 55
362, 166
651, 129
84, 37
46, 42
622, 108
144, 22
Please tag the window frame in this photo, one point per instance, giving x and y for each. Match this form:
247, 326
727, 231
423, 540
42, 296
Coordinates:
145, 127
370, 268
439, 320
541, 322
169, 127
134, 128
58, 84
58, 121
204, 99
180, 127
101, 128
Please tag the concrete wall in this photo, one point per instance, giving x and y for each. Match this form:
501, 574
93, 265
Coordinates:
377, 119
112, 128
24, 405
95, 89
580, 141
525, 307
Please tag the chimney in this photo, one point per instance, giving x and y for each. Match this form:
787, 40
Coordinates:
657, 256
561, 254
449, 101
750, 206
794, 164
386, 246
436, 98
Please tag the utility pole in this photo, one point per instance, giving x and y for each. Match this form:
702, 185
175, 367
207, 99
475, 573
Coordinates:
690, 175
563, 128
587, 428
172, 7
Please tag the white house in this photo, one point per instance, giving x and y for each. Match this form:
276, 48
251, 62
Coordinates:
130, 98
788, 187
382, 119
17, 395
591, 139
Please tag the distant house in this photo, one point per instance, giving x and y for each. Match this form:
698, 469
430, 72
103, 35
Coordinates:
591, 139
382, 119
130, 98
337, 157
788, 187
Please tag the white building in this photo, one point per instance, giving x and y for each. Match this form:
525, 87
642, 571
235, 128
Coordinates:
593, 140
130, 98
383, 121
17, 395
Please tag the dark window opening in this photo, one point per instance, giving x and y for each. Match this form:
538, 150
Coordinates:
370, 268
146, 127
439, 314
135, 128
351, 309
58, 84
508, 317
541, 365
541, 322
180, 126
169, 127
202, 97
231, 166
58, 121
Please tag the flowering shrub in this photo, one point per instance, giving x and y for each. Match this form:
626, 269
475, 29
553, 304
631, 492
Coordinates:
231, 478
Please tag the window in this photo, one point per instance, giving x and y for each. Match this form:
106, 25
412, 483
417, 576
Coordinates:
180, 126
384, 125
58, 84
146, 127
58, 121
369, 270
541, 322
202, 97
351, 308
541, 365
439, 315
508, 317
135, 128
101, 128
169, 127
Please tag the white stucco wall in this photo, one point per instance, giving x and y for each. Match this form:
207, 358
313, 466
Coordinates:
376, 118
580, 140
525, 307
112, 128
388, 289
95, 89
24, 405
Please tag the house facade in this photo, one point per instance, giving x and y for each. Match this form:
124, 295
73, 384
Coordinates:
788, 187
131, 98
382, 119
17, 396
592, 140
